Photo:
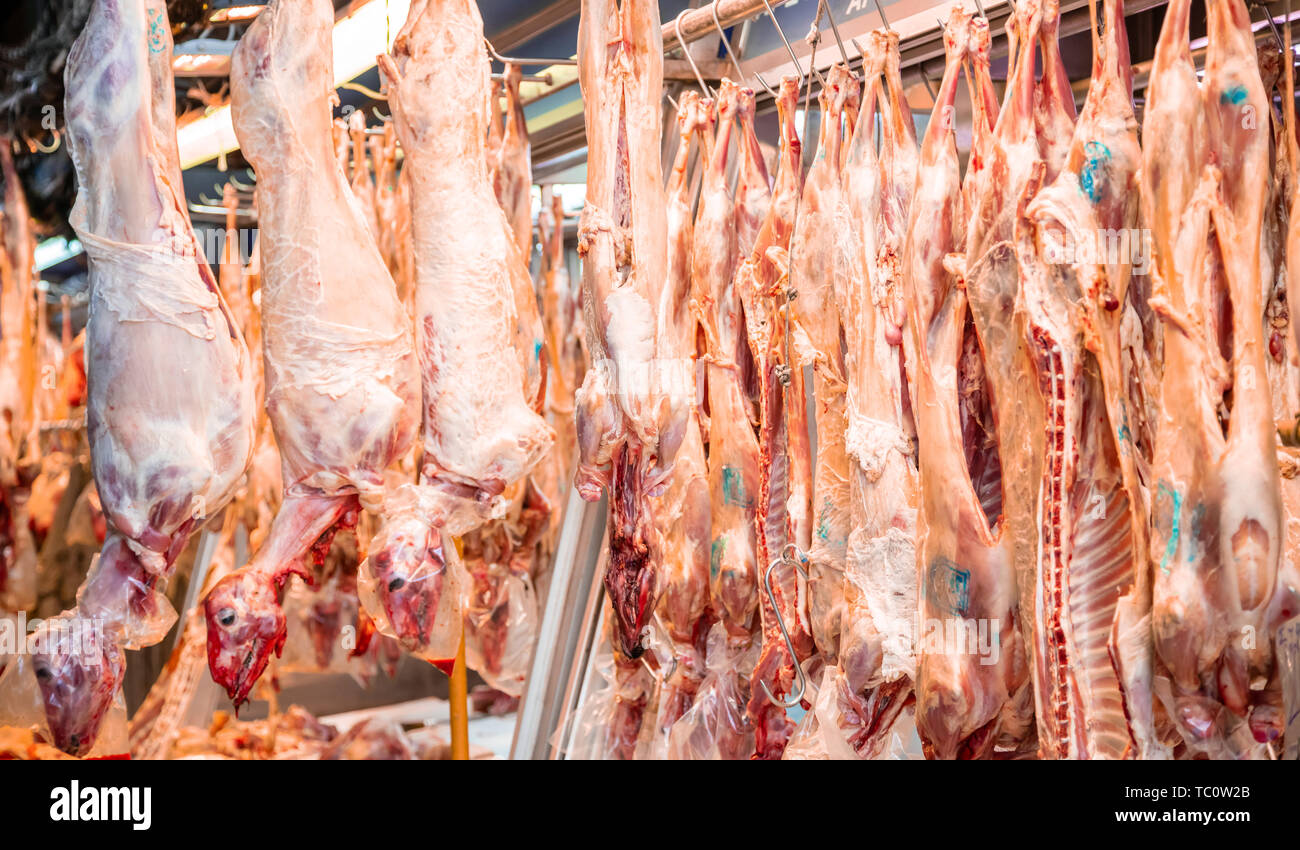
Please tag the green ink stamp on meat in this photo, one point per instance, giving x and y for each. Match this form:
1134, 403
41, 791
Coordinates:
1171, 546
157, 32
715, 556
947, 587
733, 488
824, 520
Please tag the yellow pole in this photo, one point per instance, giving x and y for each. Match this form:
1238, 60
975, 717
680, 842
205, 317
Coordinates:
459, 706
459, 699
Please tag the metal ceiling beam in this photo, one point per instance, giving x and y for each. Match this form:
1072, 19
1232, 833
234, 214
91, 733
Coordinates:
559, 138
544, 19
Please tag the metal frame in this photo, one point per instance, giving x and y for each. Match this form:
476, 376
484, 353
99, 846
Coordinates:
557, 673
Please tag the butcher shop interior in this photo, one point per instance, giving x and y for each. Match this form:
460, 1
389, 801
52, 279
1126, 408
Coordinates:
586, 379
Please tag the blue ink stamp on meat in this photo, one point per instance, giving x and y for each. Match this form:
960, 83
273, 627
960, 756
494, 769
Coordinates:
1123, 433
1093, 174
947, 587
715, 556
733, 488
1236, 95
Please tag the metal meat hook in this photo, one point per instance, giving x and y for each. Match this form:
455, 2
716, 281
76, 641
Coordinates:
245, 187
798, 69
1268, 16
880, 11
36, 145
835, 30
686, 51
791, 555
726, 43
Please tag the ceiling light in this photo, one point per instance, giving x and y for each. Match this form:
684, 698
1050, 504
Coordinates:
232, 14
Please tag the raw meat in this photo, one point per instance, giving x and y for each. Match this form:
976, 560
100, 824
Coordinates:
363, 185
1054, 99
515, 183
876, 659
480, 430
684, 518
783, 502
559, 309
753, 185
496, 131
501, 615
1091, 661
341, 385
634, 404
1217, 507
170, 409
18, 367
785, 470
1282, 364
1003, 421
822, 254
478, 332
383, 152
984, 106
964, 679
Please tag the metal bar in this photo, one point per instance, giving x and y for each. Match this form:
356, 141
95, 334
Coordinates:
545, 79
526, 60
698, 23
543, 20
206, 209
544, 168
564, 637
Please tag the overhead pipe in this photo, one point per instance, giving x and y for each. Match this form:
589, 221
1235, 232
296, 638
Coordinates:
698, 23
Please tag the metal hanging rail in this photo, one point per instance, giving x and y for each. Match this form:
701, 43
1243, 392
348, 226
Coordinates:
698, 23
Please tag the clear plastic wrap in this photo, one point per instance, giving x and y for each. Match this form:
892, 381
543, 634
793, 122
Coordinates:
318, 640
502, 615
501, 622
18, 571
806, 741
585, 740
878, 634
1207, 728
64, 681
614, 720
821, 733
412, 583
716, 726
